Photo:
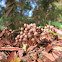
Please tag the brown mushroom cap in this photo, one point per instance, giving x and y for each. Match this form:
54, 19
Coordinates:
32, 39
6, 28
8, 33
39, 27
30, 36
21, 36
26, 29
22, 29
25, 25
10, 30
3, 32
24, 39
31, 31
34, 30
26, 36
16, 40
21, 33
20, 39
18, 36
35, 33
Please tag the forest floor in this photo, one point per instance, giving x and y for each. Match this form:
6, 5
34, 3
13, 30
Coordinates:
48, 51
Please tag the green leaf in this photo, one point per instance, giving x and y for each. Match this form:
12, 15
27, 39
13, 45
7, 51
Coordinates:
17, 60
24, 47
55, 33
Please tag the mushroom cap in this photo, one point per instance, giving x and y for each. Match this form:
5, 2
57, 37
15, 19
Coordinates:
25, 25
8, 33
3, 32
30, 36
26, 29
6, 28
34, 30
10, 30
24, 39
22, 29
31, 31
21, 33
16, 40
21, 36
31, 25
32, 39
20, 39
26, 36
18, 36
35, 33
34, 24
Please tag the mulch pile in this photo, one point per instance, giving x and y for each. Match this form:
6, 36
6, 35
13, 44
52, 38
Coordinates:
33, 44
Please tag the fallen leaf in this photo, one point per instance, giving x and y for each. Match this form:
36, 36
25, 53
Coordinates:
20, 53
16, 59
39, 60
10, 48
57, 48
48, 47
11, 56
50, 56
1, 44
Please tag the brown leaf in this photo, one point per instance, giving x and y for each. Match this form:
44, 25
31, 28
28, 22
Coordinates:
39, 60
10, 48
20, 52
50, 56
1, 44
10, 57
48, 48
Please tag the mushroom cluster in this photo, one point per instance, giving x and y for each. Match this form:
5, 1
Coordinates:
6, 34
46, 34
29, 35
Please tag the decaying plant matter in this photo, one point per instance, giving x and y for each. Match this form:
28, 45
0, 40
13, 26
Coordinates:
32, 44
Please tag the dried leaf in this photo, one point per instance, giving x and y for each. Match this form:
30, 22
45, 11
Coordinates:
39, 60
20, 52
1, 44
10, 48
48, 48
11, 56
58, 48
16, 59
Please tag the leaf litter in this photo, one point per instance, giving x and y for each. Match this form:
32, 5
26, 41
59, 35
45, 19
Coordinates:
33, 44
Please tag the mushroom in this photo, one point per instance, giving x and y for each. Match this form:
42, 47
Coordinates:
25, 25
22, 29
20, 39
3, 32
32, 39
35, 33
21, 36
21, 33
18, 36
30, 36
24, 39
